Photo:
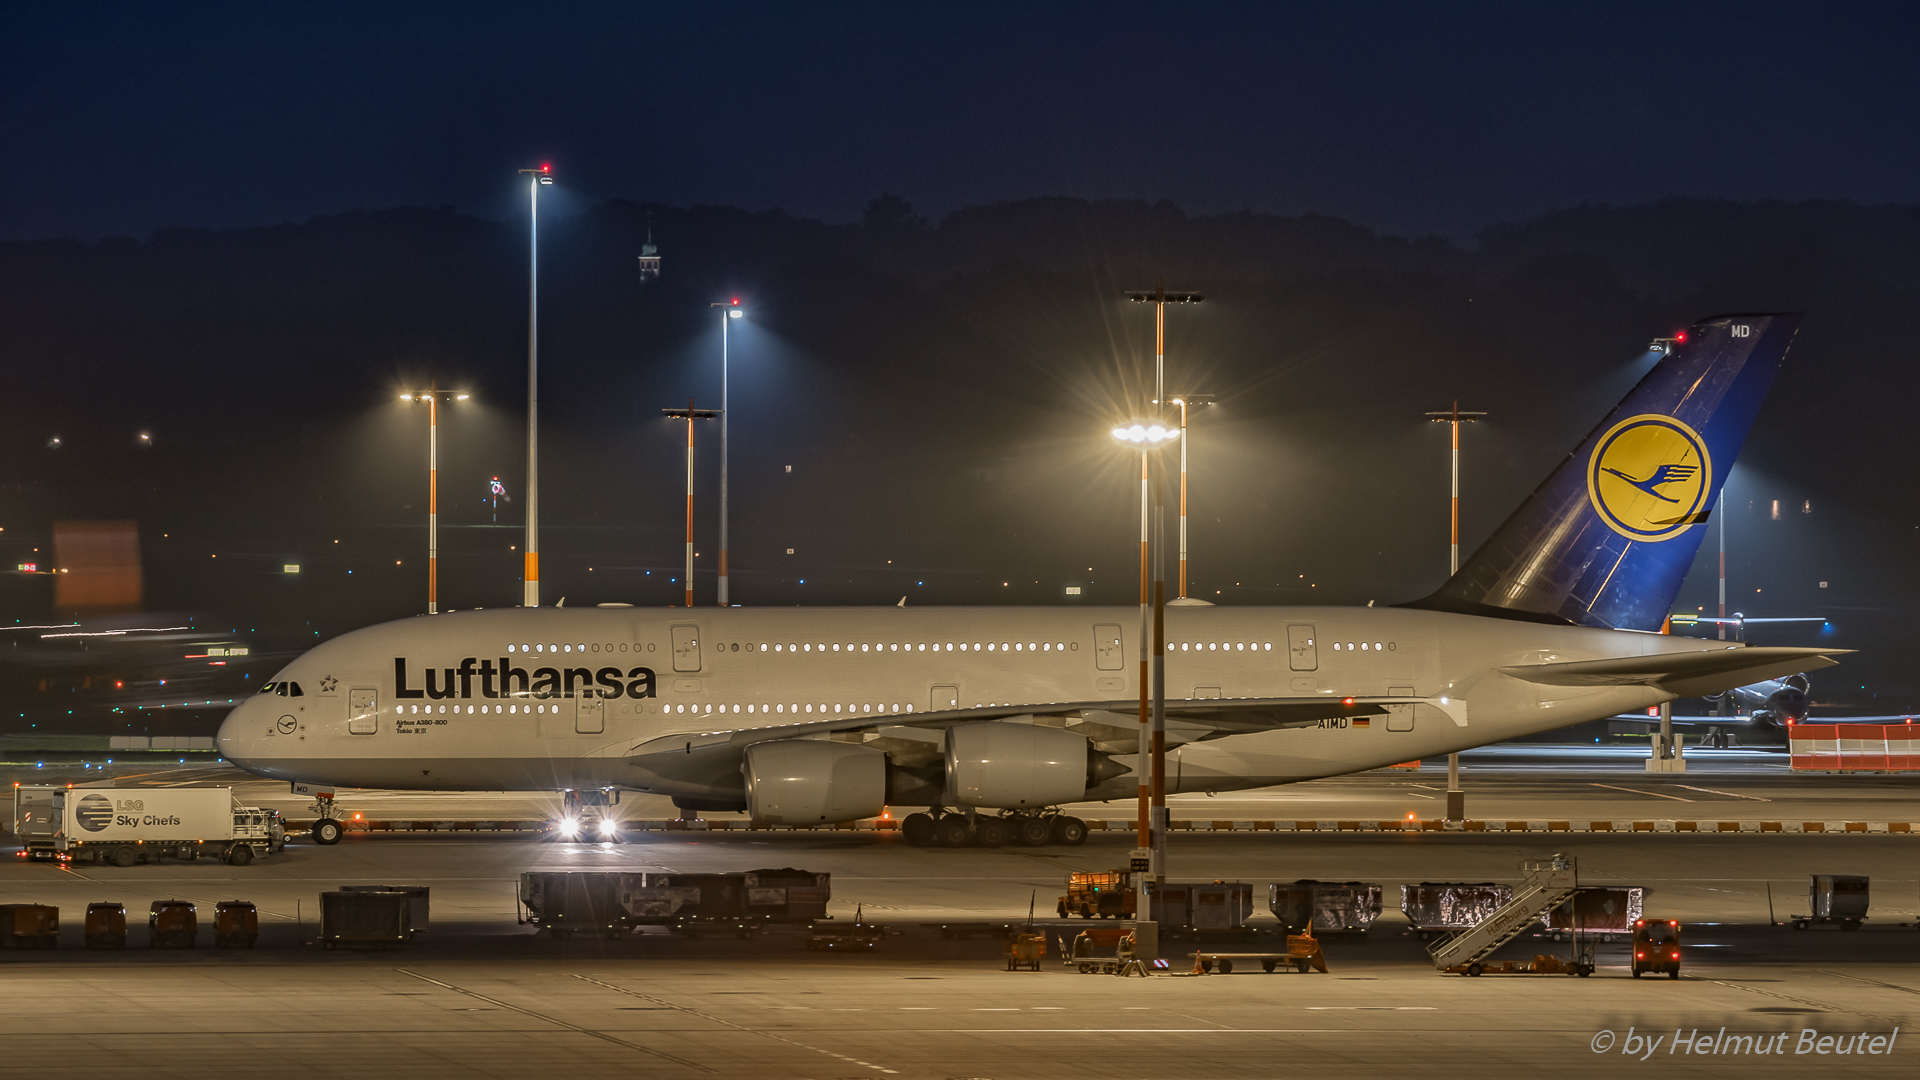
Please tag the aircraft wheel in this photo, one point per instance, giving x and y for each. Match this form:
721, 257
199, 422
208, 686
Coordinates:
1032, 831
1069, 831
990, 832
953, 831
918, 829
327, 831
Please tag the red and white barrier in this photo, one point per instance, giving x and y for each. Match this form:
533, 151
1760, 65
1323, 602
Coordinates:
1855, 747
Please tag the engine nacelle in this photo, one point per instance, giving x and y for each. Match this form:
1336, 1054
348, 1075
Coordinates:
1010, 766
807, 782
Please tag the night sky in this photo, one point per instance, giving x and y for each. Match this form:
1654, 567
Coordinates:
1409, 118
244, 229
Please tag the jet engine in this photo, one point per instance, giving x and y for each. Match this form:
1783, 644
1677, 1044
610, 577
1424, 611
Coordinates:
807, 782
1015, 766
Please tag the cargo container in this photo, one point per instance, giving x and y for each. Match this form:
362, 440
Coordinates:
418, 902
125, 826
1835, 898
1441, 907
106, 926
788, 895
364, 920
1607, 912
564, 903
1327, 907
29, 926
236, 924
1196, 907
172, 924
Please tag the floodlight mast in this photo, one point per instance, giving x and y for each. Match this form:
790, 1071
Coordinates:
1159, 297
1456, 798
432, 398
537, 179
729, 311
690, 414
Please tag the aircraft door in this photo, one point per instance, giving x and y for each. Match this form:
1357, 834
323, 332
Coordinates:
686, 648
1106, 647
944, 698
363, 712
1399, 717
1302, 653
589, 717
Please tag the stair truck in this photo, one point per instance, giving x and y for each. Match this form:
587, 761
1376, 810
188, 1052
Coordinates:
124, 826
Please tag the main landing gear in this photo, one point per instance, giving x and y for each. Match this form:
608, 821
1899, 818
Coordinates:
944, 828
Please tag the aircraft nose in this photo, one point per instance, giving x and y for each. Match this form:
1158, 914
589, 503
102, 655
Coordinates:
236, 741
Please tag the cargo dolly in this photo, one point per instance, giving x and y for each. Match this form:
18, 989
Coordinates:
1302, 955
1549, 884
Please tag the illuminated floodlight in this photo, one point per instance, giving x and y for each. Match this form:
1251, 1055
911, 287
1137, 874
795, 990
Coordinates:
1145, 435
406, 397
461, 397
569, 827
606, 826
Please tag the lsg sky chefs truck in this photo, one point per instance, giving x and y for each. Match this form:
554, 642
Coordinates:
123, 826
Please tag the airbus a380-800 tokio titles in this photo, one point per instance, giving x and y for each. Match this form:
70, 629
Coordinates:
805, 716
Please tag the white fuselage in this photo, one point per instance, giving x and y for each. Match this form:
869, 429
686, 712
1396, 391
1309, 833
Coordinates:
546, 699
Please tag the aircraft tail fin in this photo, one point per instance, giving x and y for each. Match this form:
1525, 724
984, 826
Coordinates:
1607, 540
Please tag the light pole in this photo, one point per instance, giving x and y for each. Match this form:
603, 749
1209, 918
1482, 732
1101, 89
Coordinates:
1184, 401
690, 414
536, 179
729, 311
1151, 834
1456, 798
433, 399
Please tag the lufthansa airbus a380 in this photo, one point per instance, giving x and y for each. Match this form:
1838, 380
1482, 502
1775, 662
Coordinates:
804, 716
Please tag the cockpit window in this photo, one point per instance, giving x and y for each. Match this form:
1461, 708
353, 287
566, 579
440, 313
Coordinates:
283, 688
269, 688
293, 689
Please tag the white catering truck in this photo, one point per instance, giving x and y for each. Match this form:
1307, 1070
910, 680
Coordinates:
124, 826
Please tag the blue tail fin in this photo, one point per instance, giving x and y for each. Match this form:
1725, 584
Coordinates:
1607, 540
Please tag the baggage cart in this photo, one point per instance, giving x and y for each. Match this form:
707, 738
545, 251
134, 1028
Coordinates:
1835, 898
29, 926
172, 924
106, 926
1324, 907
1437, 908
236, 924
565, 903
1606, 912
856, 936
1199, 908
1302, 955
364, 920
418, 902
787, 894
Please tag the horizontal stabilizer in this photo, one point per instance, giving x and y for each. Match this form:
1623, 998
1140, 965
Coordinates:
1683, 674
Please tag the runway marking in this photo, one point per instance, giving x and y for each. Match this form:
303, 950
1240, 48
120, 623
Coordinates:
736, 1027
1728, 794
1372, 1008
1870, 982
663, 1055
1637, 791
1821, 1005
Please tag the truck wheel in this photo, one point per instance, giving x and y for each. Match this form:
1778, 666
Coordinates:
124, 856
1086, 912
239, 855
953, 831
1069, 831
918, 829
990, 833
326, 831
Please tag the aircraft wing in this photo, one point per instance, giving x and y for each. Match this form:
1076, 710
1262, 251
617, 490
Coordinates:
1112, 724
1683, 674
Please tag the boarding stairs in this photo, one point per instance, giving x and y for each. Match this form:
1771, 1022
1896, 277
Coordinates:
1549, 883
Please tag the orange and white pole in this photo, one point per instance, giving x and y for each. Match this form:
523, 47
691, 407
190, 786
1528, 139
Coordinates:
689, 577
